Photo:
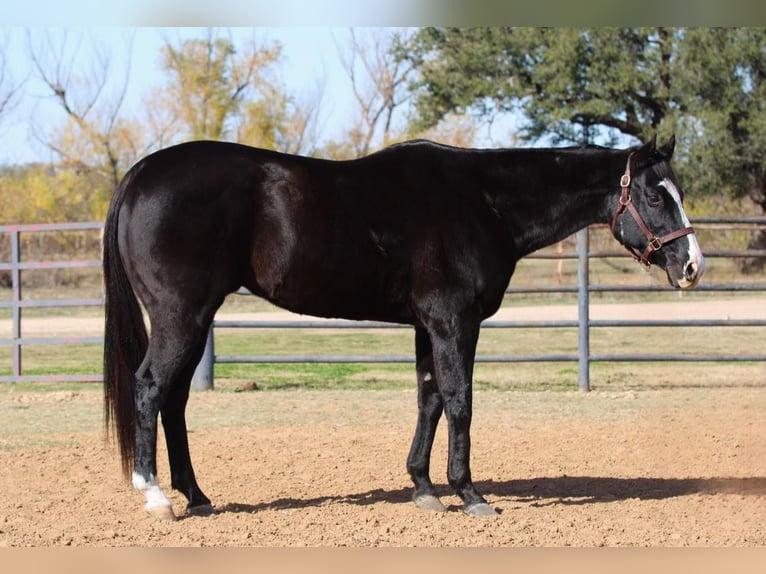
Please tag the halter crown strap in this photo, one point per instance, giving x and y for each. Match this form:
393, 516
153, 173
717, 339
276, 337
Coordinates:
626, 203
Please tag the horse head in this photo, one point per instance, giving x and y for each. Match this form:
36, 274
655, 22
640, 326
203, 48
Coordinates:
649, 218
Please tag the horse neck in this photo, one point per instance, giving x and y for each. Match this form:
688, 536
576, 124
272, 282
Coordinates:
546, 195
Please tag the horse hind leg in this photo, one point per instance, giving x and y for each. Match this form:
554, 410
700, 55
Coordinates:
150, 393
162, 385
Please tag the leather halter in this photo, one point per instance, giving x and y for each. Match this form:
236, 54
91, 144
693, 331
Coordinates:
655, 243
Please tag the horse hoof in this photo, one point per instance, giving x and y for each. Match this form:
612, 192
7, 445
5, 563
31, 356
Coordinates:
480, 509
162, 512
201, 510
429, 502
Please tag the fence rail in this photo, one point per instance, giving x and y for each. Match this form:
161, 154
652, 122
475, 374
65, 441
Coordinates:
204, 375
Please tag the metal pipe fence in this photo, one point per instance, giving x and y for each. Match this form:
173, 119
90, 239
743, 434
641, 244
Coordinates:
584, 287
17, 304
203, 378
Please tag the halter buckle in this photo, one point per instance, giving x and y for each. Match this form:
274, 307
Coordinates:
655, 243
625, 180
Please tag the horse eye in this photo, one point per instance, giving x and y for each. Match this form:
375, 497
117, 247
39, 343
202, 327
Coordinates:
654, 199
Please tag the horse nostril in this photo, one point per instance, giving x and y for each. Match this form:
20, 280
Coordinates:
690, 272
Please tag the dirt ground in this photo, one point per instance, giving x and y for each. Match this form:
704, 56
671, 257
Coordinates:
681, 467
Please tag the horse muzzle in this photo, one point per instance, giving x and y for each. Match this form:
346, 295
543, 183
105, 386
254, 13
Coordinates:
688, 276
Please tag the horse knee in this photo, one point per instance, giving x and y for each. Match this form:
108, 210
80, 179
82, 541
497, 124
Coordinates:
458, 412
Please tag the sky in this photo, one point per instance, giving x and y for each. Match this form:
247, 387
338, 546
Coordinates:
306, 28
310, 54
233, 12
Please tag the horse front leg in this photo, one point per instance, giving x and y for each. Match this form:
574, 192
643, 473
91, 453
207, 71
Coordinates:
430, 409
454, 349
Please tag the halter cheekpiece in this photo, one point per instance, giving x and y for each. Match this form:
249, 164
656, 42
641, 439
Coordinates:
626, 204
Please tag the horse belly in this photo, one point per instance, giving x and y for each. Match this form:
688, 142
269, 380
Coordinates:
312, 280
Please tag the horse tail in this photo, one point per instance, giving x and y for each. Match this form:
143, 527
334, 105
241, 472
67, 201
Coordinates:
125, 338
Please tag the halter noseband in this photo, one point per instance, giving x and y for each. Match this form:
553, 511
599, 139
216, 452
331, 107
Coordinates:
655, 243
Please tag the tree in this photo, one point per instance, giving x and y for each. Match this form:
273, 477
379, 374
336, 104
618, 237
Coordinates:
281, 121
571, 84
379, 84
96, 141
379, 80
587, 85
607, 84
50, 194
216, 90
209, 82
722, 74
721, 82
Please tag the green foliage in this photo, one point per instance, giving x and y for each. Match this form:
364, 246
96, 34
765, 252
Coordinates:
216, 90
721, 75
603, 84
45, 194
210, 83
571, 84
461, 68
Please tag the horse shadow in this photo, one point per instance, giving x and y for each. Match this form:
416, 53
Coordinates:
543, 491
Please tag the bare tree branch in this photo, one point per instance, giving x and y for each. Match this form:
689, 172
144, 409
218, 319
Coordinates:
379, 82
10, 88
80, 89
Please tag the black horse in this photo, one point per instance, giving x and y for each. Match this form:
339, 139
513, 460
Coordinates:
418, 233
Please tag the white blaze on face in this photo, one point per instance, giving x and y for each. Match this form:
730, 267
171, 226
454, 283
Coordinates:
695, 257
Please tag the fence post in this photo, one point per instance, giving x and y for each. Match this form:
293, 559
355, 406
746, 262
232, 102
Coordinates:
16, 288
203, 375
583, 311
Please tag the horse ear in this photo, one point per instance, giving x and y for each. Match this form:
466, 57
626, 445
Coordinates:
667, 149
645, 152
